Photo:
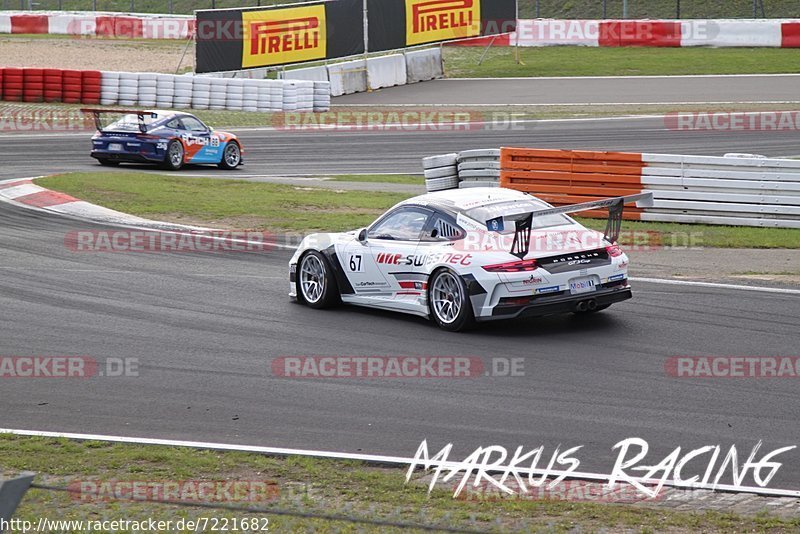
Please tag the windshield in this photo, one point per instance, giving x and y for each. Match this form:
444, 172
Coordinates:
128, 122
513, 207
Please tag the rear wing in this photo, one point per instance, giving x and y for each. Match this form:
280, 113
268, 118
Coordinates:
524, 221
140, 114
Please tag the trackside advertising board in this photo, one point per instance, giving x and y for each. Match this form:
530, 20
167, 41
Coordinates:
397, 24
235, 39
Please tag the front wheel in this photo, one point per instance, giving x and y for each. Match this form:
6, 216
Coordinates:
231, 156
315, 281
174, 159
449, 302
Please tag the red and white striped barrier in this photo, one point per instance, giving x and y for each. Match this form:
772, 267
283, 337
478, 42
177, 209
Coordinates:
119, 25
774, 33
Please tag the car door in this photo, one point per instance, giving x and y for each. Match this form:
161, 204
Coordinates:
200, 144
386, 266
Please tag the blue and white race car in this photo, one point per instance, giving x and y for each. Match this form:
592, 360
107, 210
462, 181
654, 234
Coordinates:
467, 255
167, 138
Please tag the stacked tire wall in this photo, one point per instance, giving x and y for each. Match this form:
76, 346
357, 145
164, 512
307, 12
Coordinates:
462, 170
162, 91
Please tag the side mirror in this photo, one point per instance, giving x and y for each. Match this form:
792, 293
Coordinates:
435, 233
362, 236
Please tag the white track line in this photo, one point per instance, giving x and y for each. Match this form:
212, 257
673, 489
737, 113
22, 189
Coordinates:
657, 77
375, 459
716, 286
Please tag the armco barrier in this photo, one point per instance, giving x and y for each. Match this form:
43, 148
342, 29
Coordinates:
150, 90
85, 23
651, 33
741, 191
572, 176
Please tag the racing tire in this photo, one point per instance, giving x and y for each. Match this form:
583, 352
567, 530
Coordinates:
108, 163
316, 284
175, 154
231, 156
449, 303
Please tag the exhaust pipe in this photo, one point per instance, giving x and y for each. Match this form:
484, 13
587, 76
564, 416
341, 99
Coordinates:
591, 305
582, 306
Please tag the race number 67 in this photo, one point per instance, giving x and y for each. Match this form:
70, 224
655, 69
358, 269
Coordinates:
356, 265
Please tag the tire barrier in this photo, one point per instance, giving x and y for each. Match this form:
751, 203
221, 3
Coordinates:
467, 169
774, 33
734, 190
162, 91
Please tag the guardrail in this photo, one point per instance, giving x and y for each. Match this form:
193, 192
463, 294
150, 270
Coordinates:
735, 190
100, 24
166, 91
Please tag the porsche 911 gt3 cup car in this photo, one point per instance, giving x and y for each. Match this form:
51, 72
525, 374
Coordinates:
469, 254
168, 138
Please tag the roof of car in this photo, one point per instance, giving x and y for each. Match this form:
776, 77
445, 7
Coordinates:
461, 200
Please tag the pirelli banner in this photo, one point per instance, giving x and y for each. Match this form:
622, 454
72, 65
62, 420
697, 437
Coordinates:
235, 39
397, 24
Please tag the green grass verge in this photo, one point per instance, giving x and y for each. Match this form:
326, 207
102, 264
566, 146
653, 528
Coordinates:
462, 62
381, 178
226, 203
322, 487
253, 205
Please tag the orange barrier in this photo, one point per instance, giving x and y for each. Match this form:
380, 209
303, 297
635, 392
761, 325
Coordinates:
573, 176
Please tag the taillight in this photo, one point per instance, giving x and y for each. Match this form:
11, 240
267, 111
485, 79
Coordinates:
512, 267
614, 251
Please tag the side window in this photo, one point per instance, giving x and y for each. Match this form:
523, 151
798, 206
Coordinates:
405, 224
444, 229
193, 125
174, 124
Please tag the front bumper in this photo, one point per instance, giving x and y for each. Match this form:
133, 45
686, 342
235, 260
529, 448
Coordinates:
557, 304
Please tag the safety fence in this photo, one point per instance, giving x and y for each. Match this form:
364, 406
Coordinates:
165, 91
735, 190
373, 73
87, 24
774, 33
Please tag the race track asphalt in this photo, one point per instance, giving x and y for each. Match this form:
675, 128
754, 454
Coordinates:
205, 328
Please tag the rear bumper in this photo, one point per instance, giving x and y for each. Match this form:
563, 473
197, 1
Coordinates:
540, 306
128, 157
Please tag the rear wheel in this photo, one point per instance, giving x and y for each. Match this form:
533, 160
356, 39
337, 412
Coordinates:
449, 302
231, 156
175, 153
315, 281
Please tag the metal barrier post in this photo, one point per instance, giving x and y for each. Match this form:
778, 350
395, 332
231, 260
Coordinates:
11, 493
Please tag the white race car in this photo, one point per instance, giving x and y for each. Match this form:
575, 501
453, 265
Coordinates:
467, 255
